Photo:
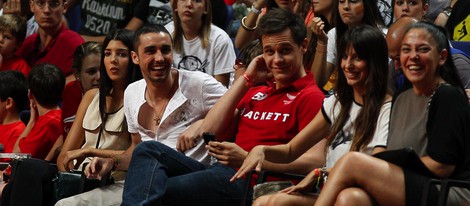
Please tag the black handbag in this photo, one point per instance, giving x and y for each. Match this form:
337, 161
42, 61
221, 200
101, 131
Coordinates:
66, 184
405, 158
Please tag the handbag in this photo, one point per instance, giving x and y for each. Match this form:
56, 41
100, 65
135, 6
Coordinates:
66, 184
405, 158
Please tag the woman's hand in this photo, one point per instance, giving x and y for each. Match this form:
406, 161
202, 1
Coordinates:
317, 26
254, 160
99, 167
259, 4
227, 153
306, 185
78, 154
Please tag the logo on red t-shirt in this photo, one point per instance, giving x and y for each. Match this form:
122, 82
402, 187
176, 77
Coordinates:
259, 96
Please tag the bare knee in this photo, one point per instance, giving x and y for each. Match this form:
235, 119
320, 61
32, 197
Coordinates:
352, 162
353, 196
261, 201
284, 199
270, 200
351, 158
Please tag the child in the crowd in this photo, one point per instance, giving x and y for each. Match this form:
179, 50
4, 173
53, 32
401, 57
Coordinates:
86, 66
198, 44
12, 35
46, 83
13, 99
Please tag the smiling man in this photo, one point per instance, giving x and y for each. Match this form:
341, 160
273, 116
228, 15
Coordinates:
270, 115
163, 108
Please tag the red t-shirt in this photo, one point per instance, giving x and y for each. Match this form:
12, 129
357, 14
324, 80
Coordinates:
270, 117
59, 51
9, 133
71, 99
16, 63
43, 135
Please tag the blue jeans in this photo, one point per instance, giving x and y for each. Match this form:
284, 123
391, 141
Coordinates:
159, 175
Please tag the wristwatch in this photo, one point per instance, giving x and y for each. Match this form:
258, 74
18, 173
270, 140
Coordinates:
447, 11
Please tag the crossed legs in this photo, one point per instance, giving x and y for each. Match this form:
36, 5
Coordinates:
360, 179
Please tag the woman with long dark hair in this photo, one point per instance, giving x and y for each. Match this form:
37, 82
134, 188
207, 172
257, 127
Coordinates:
347, 14
100, 128
88, 136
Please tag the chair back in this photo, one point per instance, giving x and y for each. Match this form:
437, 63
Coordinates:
463, 46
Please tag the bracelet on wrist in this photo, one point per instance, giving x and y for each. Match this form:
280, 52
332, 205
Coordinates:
321, 44
255, 10
317, 172
116, 163
249, 82
246, 27
447, 11
320, 49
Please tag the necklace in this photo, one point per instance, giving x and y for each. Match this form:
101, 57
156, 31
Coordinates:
159, 115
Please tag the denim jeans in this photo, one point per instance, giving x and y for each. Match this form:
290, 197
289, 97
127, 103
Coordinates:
159, 175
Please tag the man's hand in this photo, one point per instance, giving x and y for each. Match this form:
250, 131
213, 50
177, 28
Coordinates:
227, 153
34, 114
188, 139
258, 71
99, 167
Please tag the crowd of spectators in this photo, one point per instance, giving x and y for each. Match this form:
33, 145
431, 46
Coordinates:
312, 87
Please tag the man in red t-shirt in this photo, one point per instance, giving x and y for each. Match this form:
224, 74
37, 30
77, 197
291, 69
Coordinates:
46, 84
13, 99
53, 43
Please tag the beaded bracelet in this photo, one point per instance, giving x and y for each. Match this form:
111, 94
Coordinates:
247, 28
321, 175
